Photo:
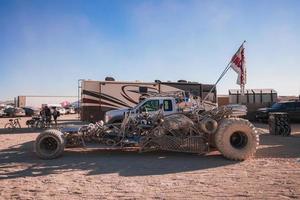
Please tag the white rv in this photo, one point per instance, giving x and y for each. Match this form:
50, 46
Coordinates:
98, 97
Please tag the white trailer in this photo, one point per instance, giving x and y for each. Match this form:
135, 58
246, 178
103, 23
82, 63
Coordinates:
38, 101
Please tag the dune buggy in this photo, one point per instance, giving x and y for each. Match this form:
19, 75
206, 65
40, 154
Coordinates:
198, 131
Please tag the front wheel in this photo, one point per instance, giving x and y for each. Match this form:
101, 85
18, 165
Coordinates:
237, 139
49, 144
8, 125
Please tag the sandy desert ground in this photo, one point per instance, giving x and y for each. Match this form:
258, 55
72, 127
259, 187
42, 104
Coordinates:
99, 174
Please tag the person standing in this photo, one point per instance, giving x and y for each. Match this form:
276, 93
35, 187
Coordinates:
55, 114
48, 116
43, 114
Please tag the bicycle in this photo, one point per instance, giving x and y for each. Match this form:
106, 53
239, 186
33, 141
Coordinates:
13, 123
34, 122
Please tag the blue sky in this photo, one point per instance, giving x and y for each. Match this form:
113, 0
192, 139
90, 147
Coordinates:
46, 46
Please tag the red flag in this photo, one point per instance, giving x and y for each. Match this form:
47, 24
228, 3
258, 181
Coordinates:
238, 64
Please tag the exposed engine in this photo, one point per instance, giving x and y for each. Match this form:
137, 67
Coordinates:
187, 132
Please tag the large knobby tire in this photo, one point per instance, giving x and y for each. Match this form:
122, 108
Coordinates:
237, 139
49, 144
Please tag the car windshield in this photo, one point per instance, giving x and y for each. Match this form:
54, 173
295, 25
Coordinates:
150, 105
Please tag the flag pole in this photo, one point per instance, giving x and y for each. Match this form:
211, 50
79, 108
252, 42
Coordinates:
223, 74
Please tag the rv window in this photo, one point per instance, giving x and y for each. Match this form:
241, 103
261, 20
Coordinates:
143, 90
151, 105
168, 105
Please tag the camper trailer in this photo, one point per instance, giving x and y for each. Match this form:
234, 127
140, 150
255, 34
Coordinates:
98, 97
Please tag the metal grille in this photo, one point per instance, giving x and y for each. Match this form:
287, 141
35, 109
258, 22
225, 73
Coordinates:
194, 144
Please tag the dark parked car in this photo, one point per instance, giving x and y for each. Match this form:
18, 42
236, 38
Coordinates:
290, 107
14, 112
29, 111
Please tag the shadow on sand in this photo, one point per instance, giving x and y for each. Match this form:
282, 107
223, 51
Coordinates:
126, 163
275, 146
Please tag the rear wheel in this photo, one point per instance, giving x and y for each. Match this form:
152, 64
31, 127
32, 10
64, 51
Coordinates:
237, 139
49, 144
